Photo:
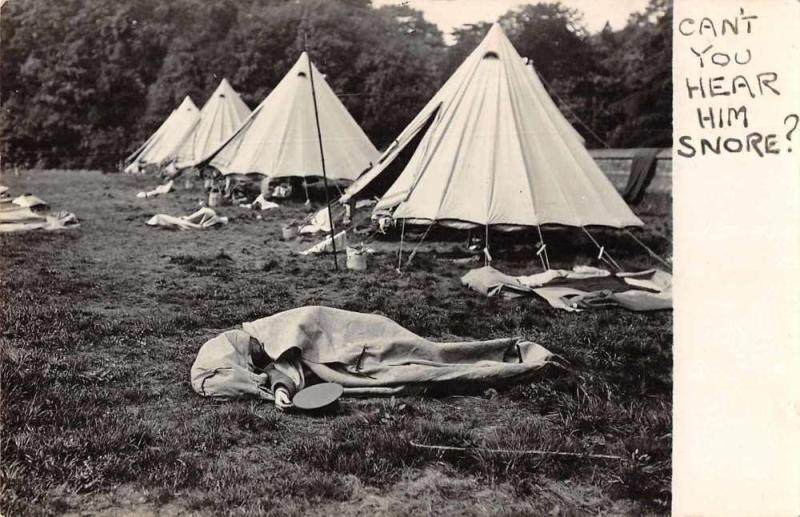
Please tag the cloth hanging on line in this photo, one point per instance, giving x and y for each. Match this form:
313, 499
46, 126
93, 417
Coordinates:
643, 170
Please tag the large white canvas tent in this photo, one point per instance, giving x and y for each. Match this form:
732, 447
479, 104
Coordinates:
280, 138
161, 147
220, 117
492, 149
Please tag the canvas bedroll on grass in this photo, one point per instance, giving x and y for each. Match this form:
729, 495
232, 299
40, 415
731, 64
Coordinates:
372, 355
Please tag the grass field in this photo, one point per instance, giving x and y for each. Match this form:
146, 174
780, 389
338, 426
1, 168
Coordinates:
100, 325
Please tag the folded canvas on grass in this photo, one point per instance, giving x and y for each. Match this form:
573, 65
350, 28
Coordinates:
199, 220
24, 219
581, 288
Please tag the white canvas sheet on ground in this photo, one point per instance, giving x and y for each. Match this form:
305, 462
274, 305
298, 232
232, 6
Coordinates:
199, 220
22, 219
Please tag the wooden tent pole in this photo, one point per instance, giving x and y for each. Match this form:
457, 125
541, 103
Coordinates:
321, 151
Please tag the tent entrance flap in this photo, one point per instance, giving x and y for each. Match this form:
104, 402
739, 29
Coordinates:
376, 182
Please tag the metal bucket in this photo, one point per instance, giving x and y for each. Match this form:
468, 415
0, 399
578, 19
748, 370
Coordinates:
289, 232
356, 259
214, 198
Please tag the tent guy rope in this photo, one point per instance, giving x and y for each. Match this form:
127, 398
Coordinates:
400, 251
650, 251
542, 252
565, 106
414, 251
604, 255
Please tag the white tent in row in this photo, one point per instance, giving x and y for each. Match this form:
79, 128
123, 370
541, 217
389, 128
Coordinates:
221, 116
280, 137
492, 149
163, 144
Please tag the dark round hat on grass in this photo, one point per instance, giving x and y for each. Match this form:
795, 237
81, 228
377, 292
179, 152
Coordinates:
319, 398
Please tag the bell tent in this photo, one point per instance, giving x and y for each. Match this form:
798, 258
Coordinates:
221, 116
492, 149
162, 145
280, 137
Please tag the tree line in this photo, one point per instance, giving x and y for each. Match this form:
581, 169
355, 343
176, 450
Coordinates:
84, 83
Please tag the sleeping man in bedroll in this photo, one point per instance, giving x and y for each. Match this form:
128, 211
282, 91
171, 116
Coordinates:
274, 357
234, 365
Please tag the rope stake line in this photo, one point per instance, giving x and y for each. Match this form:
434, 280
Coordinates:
604, 255
541, 259
535, 452
487, 259
546, 259
414, 251
400, 251
650, 251
305, 189
566, 106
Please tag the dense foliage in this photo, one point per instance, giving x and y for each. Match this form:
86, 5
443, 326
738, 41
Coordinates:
83, 83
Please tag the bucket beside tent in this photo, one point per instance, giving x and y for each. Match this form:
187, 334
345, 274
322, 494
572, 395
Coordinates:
214, 197
356, 258
289, 231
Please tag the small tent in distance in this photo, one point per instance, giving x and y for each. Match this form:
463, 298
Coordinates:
162, 146
220, 117
280, 138
491, 149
